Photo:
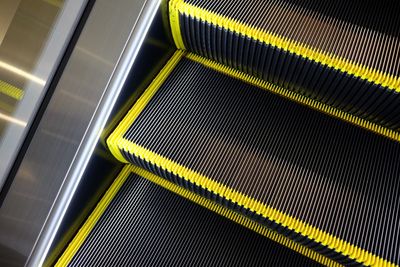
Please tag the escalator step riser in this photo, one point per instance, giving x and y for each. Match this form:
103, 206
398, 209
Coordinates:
350, 30
291, 234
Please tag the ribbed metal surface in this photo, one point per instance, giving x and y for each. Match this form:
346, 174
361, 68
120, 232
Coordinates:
365, 32
337, 177
147, 225
328, 85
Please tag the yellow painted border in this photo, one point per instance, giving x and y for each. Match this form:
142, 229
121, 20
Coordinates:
81, 236
118, 143
143, 86
236, 217
11, 91
174, 21
92, 219
141, 103
334, 112
303, 50
303, 228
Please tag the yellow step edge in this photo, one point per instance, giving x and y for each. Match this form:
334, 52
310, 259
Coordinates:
88, 226
311, 232
394, 135
244, 221
344, 65
116, 142
142, 102
90, 223
174, 21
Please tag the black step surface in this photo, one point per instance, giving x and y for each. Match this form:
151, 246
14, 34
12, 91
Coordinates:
147, 225
352, 29
328, 28
336, 177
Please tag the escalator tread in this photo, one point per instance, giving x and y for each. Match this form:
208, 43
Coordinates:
321, 50
322, 182
139, 223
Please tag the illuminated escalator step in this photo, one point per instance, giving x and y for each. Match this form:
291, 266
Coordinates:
140, 222
349, 61
324, 183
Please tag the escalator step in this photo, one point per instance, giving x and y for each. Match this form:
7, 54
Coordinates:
322, 50
139, 223
324, 183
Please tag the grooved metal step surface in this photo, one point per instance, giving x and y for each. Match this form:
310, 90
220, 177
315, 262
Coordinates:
323, 182
145, 224
347, 60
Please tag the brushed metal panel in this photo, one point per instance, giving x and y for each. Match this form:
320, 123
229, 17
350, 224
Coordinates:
7, 11
64, 125
29, 55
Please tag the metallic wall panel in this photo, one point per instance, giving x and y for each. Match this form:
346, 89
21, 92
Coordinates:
30, 53
7, 11
67, 120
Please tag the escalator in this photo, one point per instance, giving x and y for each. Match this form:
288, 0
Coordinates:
144, 220
305, 174
268, 136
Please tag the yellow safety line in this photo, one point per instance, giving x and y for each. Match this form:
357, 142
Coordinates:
334, 112
117, 142
174, 21
92, 219
81, 236
236, 217
141, 103
303, 50
311, 232
11, 91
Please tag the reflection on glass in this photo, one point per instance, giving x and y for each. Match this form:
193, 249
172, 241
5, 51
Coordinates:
26, 32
